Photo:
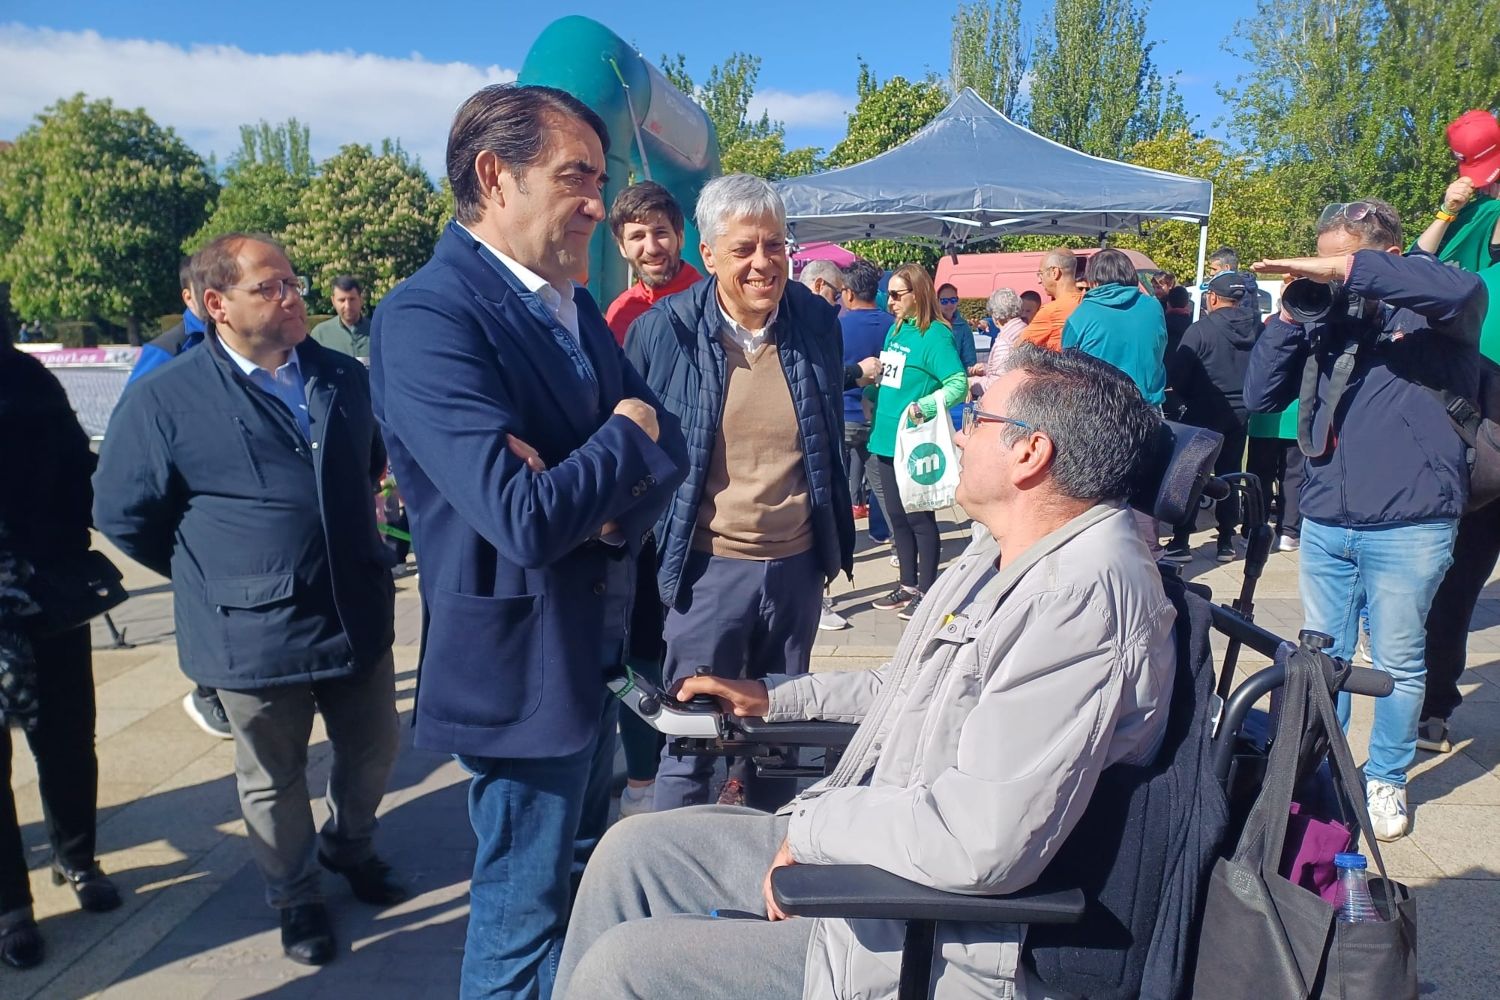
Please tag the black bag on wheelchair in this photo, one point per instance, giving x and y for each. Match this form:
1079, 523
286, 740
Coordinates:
1263, 935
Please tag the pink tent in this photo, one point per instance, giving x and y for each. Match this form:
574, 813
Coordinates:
821, 251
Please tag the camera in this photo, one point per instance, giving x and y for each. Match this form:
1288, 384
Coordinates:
1307, 301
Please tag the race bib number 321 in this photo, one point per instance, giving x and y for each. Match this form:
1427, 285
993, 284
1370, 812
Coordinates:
892, 366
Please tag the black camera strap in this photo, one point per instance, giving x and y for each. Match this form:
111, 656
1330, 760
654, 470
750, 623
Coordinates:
1315, 422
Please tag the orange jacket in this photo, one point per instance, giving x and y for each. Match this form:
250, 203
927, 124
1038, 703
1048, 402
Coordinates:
1046, 327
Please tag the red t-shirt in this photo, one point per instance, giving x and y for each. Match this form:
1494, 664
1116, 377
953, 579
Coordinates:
636, 299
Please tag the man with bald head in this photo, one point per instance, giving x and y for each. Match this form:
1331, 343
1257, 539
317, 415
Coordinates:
1058, 275
245, 471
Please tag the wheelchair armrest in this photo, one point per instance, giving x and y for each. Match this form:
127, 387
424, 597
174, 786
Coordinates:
815, 733
864, 891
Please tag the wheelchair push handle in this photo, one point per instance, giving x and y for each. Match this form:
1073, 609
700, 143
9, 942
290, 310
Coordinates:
1342, 676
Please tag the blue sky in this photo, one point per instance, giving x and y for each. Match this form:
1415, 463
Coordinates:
361, 72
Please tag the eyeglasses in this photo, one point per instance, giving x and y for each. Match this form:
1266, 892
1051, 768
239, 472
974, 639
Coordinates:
1353, 211
276, 289
974, 416
948, 300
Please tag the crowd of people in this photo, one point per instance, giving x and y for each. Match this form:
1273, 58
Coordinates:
670, 485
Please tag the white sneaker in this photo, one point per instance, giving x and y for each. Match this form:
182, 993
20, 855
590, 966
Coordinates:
831, 620
1287, 543
634, 801
1362, 649
895, 559
1387, 804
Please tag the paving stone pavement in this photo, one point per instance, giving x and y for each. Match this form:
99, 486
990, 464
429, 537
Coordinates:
194, 924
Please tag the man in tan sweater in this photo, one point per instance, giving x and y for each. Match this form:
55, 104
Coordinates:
753, 367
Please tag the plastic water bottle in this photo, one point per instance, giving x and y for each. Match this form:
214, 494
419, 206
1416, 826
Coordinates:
1356, 906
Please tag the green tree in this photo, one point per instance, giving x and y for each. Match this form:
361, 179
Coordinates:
1350, 98
367, 214
1094, 85
264, 180
887, 115
990, 53
94, 204
1249, 206
746, 144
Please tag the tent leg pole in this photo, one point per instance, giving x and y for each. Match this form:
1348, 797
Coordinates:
1202, 255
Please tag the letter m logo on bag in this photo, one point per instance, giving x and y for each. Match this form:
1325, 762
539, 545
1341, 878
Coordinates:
926, 464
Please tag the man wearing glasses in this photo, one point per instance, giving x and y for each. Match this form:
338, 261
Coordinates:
245, 472
1043, 655
1387, 473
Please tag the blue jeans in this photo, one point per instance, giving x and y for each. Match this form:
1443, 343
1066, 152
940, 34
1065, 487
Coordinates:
1394, 570
536, 821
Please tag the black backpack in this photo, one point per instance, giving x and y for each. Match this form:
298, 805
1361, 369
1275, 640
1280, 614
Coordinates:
1478, 423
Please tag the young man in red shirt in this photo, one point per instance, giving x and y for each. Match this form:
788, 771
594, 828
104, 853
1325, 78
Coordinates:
647, 223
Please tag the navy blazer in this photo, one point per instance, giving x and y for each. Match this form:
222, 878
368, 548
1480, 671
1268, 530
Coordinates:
278, 574
521, 602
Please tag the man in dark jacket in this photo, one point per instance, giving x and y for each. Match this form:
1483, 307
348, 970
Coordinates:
1206, 375
753, 368
1387, 473
533, 461
247, 473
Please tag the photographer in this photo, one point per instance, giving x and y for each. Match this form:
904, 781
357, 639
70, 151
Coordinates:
1387, 477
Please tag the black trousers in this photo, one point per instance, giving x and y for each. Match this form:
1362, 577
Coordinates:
1227, 511
67, 770
1475, 551
1279, 464
914, 534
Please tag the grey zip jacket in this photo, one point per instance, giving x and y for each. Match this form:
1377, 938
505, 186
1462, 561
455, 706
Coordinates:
981, 742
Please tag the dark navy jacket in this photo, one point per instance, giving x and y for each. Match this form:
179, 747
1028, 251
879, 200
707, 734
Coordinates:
278, 574
520, 601
1396, 456
675, 346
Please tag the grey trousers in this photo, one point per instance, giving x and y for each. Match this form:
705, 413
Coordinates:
641, 928
271, 728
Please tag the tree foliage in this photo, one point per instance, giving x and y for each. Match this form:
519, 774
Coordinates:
1350, 98
746, 144
265, 179
1095, 86
990, 53
94, 203
1249, 206
367, 214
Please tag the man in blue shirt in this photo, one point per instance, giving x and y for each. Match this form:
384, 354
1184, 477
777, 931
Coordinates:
201, 704
865, 327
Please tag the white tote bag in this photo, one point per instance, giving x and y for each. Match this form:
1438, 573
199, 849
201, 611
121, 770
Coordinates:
926, 461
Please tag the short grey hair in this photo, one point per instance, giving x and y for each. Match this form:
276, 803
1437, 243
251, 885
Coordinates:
825, 269
1226, 258
1380, 227
735, 196
1004, 305
1102, 429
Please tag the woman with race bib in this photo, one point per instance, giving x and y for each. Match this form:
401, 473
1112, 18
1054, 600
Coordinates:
921, 376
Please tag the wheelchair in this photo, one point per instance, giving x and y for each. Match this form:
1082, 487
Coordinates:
1177, 480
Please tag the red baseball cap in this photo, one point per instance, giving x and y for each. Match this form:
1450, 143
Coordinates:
1474, 138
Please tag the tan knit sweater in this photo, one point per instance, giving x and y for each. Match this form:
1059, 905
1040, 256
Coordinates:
755, 499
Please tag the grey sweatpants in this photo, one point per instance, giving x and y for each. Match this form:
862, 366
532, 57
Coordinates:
641, 928
271, 728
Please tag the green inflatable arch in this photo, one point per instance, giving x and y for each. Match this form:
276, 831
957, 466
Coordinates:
656, 131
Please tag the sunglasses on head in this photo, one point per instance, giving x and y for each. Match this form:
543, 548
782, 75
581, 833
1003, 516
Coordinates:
1352, 211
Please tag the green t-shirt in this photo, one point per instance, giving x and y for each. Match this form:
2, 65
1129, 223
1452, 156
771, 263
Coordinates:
1275, 425
914, 366
1468, 243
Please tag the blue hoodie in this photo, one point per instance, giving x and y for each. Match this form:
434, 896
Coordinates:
161, 349
1124, 326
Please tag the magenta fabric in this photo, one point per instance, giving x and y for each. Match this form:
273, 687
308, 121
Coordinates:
1307, 856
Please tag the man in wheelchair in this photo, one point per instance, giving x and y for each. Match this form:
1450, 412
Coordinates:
1044, 655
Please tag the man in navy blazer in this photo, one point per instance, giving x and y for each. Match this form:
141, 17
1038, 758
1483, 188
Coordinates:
533, 461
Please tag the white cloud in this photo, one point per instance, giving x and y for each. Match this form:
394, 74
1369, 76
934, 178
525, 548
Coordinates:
815, 109
206, 92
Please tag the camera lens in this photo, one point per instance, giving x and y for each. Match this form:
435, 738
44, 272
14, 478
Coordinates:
1307, 301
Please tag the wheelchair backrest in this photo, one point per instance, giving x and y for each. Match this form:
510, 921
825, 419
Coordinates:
1179, 466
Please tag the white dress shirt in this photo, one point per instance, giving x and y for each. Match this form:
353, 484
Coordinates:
558, 300
749, 340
